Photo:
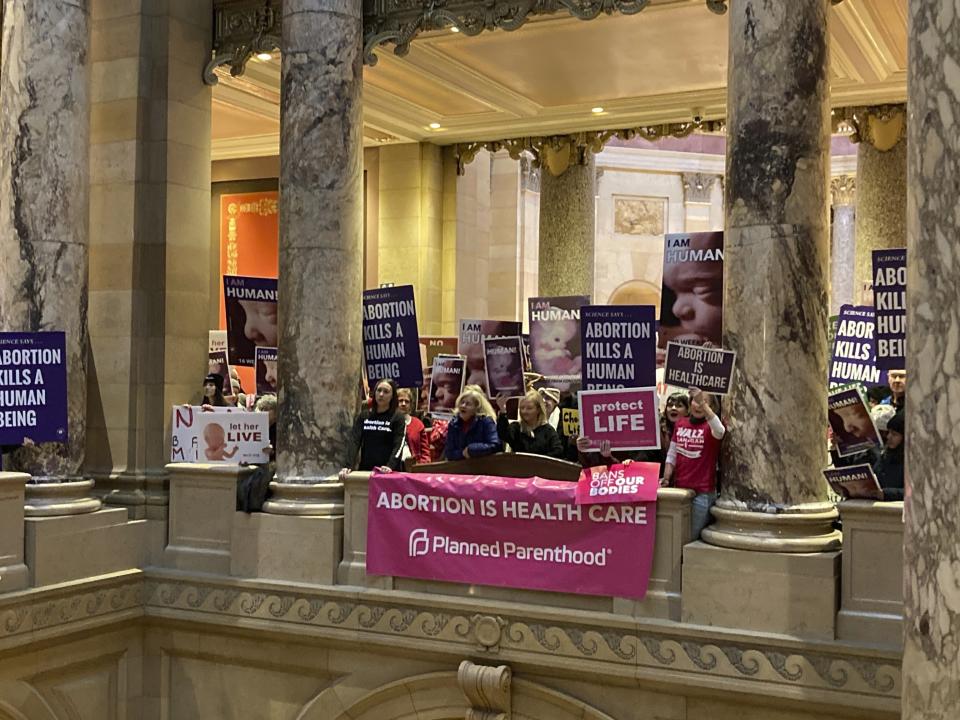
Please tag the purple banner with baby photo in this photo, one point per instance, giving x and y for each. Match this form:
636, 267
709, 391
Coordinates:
691, 303
446, 384
850, 421
555, 350
504, 361
266, 371
251, 307
890, 303
619, 346
391, 342
856, 482
470, 345
33, 387
854, 356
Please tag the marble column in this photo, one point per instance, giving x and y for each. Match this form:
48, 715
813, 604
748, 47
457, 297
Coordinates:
931, 659
567, 223
881, 191
321, 235
775, 294
44, 133
843, 193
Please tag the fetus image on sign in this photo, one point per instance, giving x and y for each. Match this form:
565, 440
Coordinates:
215, 439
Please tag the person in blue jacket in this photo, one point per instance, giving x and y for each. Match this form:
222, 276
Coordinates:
473, 432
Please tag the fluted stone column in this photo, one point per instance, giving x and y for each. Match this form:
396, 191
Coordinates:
775, 296
44, 172
321, 228
843, 251
567, 226
881, 191
931, 660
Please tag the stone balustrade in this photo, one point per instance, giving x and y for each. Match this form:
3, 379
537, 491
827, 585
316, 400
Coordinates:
871, 586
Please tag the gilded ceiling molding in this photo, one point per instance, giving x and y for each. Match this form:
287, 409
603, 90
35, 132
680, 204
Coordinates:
720, 6
397, 22
558, 152
882, 126
242, 28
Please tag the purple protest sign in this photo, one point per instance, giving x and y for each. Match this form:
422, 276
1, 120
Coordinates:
508, 532
555, 350
504, 363
619, 344
856, 482
391, 343
629, 418
692, 366
33, 387
266, 371
251, 307
890, 302
854, 357
850, 421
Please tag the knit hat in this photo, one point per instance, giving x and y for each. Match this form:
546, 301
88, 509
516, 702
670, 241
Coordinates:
213, 378
551, 393
881, 415
896, 422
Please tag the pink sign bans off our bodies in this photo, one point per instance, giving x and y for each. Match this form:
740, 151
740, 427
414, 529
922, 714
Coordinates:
509, 532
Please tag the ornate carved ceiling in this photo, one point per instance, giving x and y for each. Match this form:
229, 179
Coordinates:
665, 64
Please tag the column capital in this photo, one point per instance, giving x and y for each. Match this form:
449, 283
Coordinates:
882, 126
843, 190
697, 187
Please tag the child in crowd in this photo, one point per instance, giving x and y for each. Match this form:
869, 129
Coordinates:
693, 454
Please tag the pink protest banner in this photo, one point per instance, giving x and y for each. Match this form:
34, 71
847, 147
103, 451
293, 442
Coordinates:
510, 532
628, 417
627, 483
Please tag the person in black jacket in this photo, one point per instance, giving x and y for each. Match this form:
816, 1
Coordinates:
377, 433
533, 434
889, 468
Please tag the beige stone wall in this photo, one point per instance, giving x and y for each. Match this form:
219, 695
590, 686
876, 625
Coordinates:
150, 241
410, 244
467, 241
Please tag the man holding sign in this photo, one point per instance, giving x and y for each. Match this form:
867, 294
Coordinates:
693, 454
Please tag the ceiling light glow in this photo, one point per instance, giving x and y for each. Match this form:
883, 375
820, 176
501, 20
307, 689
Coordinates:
434, 126
264, 56
597, 110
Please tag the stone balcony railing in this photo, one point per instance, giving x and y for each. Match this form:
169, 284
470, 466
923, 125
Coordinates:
298, 569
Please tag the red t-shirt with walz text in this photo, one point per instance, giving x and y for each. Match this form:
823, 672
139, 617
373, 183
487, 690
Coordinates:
697, 453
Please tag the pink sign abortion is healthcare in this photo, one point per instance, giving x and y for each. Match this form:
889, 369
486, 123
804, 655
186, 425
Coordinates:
628, 417
508, 532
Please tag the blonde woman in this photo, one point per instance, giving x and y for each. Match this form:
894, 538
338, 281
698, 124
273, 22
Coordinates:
533, 434
473, 432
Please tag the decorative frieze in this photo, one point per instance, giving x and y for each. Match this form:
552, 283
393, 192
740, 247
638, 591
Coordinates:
882, 126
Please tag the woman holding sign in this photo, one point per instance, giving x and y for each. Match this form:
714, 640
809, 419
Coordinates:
533, 434
692, 456
473, 432
377, 433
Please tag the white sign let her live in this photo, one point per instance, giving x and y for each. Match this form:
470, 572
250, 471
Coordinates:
222, 435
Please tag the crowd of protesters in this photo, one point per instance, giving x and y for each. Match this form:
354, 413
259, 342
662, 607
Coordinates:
390, 434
